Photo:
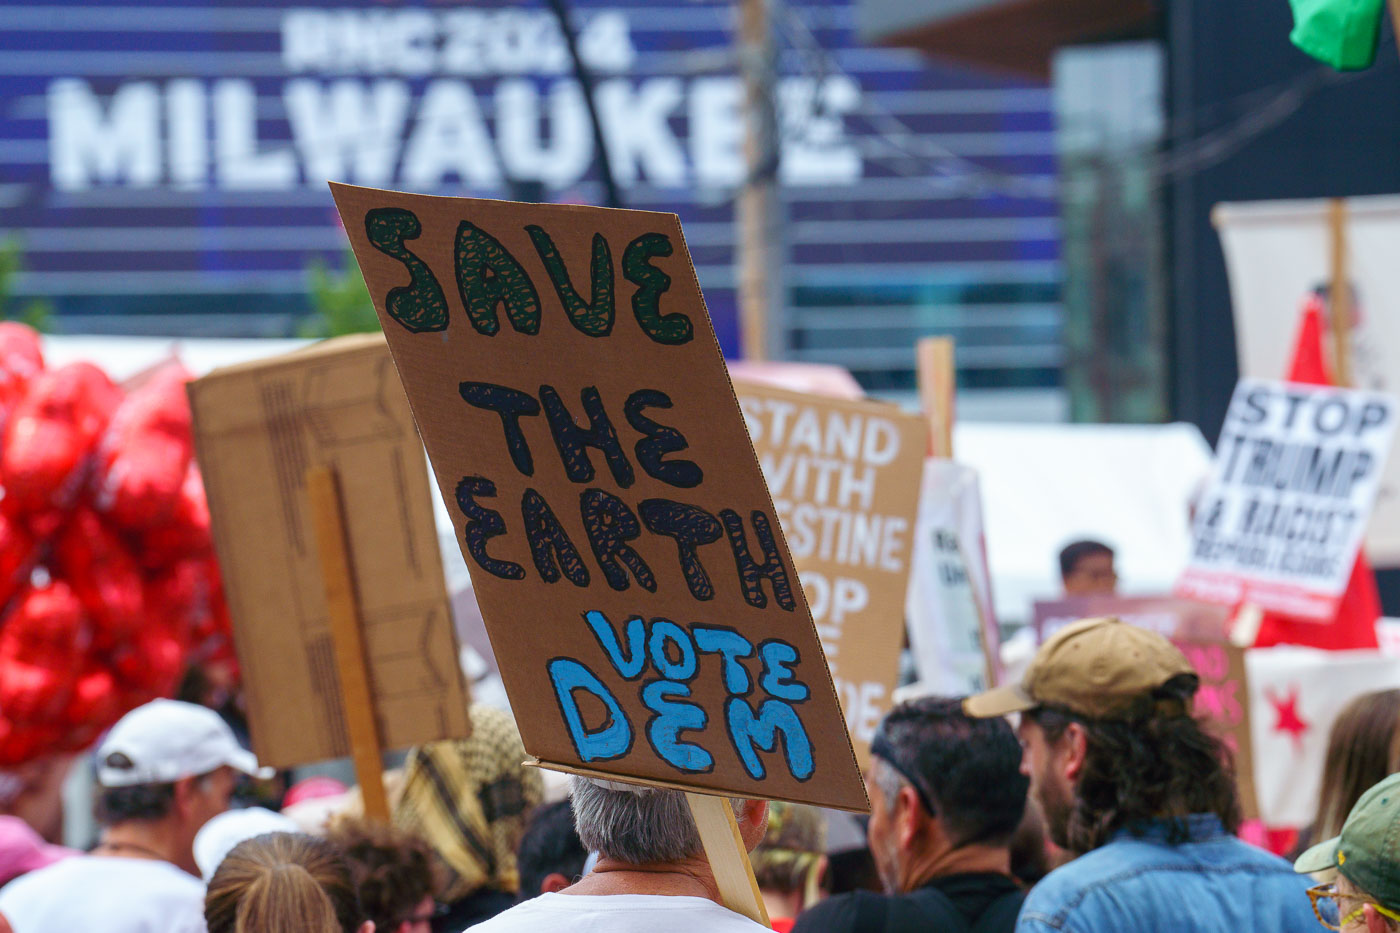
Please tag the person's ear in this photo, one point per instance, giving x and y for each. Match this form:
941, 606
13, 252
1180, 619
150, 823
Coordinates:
1375, 923
366, 927
910, 818
553, 883
753, 823
1074, 746
185, 791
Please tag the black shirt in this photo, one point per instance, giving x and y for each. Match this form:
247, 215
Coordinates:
986, 902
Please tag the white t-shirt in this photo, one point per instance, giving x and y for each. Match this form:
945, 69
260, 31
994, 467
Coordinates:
615, 913
111, 895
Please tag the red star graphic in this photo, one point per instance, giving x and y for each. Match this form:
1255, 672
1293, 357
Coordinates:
1286, 711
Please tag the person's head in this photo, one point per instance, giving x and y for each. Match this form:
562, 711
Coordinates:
1109, 738
551, 856
173, 764
395, 872
1365, 860
1086, 568
790, 860
940, 781
640, 825
284, 883
469, 799
1364, 747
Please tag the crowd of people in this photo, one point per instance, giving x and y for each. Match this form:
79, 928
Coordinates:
1086, 797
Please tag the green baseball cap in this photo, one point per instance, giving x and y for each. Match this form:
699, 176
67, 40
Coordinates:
1367, 852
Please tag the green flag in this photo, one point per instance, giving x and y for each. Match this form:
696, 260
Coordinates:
1341, 33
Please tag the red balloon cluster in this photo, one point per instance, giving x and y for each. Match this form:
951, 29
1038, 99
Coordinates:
109, 587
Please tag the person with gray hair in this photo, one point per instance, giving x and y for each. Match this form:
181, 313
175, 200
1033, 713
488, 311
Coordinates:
651, 872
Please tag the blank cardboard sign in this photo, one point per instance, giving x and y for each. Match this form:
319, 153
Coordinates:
258, 427
845, 478
637, 590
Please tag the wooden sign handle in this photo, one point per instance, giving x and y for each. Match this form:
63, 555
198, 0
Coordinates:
348, 639
938, 377
729, 860
1339, 309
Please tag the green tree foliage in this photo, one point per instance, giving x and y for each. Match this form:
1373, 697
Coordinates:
340, 302
37, 314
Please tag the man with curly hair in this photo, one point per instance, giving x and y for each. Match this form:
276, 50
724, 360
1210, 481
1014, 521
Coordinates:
1131, 781
397, 875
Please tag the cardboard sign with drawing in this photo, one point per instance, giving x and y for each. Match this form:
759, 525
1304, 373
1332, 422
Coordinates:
845, 481
636, 587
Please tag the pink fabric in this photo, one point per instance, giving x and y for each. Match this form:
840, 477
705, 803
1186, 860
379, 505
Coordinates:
313, 788
22, 850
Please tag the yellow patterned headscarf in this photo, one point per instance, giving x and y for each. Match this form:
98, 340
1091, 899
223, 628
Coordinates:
789, 857
469, 798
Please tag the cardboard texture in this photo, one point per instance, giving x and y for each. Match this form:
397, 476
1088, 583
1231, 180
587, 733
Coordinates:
1223, 703
258, 427
845, 479
636, 587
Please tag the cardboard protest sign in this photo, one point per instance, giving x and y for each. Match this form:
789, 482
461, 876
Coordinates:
1295, 474
952, 625
1171, 616
845, 482
636, 587
1222, 701
258, 427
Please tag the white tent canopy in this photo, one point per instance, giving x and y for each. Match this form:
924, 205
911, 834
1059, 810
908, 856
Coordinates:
1044, 485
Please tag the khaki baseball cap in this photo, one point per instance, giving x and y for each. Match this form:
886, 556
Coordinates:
1094, 668
1368, 850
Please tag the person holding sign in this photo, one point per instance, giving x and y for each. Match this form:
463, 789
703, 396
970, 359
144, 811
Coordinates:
1126, 775
651, 873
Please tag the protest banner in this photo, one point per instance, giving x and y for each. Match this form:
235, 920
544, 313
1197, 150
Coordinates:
1222, 701
636, 587
1171, 616
1283, 513
1280, 254
844, 476
949, 601
259, 429
1295, 695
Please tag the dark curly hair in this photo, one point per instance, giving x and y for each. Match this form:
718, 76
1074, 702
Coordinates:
1162, 764
394, 870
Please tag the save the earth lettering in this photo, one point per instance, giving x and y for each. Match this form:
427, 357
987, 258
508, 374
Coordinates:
489, 278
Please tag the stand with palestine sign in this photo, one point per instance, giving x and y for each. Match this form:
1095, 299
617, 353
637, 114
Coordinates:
1282, 517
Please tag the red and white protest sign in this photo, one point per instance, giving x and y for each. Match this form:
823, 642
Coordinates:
1282, 517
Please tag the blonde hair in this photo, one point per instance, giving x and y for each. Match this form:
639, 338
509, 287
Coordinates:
283, 883
789, 858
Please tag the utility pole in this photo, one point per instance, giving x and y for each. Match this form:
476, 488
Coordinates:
758, 213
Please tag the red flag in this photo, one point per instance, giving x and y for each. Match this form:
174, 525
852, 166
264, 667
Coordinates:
1355, 622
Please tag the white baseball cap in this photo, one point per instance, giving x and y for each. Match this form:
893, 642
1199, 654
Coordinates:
166, 740
217, 837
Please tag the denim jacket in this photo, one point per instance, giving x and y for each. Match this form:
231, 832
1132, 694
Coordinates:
1212, 882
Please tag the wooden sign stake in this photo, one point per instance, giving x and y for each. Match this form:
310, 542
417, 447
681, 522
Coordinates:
1339, 293
347, 639
729, 860
938, 374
